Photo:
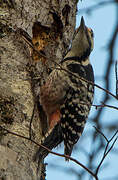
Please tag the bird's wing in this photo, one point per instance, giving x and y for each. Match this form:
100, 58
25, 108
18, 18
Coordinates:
53, 94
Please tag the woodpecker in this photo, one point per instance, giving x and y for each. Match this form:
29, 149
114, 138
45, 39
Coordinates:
67, 95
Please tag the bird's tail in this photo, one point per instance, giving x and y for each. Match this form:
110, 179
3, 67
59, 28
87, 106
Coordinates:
67, 150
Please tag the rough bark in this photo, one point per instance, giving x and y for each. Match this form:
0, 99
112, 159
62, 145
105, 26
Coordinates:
20, 77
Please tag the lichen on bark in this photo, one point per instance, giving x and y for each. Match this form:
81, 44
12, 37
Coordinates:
20, 77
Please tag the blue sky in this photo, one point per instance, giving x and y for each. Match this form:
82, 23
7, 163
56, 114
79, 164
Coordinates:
102, 21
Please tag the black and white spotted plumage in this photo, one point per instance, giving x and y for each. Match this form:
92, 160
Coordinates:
77, 105
65, 97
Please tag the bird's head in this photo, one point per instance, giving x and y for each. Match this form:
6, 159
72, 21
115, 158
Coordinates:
83, 39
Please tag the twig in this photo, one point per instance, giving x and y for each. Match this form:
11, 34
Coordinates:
107, 149
81, 78
31, 45
101, 133
116, 73
113, 136
105, 154
105, 105
58, 154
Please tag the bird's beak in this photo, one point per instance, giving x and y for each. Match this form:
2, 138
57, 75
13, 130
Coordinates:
82, 24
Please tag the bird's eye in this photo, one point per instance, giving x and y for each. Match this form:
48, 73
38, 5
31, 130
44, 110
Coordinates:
91, 31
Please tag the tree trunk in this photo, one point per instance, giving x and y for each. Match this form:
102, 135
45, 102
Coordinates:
22, 71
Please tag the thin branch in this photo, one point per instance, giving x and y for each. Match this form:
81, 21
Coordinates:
77, 76
81, 78
113, 136
57, 154
105, 105
107, 149
101, 133
105, 154
116, 74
